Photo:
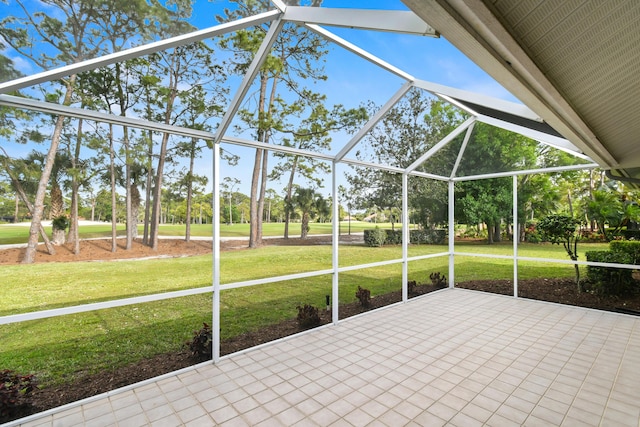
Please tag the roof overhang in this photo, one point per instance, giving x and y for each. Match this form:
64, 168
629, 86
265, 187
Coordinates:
576, 66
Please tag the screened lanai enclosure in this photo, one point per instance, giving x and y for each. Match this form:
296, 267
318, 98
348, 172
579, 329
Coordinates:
450, 155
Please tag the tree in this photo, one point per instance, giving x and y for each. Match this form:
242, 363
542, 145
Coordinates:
228, 186
74, 34
611, 211
559, 229
294, 55
309, 203
312, 134
489, 201
410, 128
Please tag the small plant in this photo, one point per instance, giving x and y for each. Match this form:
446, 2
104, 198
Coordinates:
364, 296
15, 391
308, 316
201, 345
411, 286
438, 279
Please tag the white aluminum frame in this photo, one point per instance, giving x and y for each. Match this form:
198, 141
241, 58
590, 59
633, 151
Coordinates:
311, 18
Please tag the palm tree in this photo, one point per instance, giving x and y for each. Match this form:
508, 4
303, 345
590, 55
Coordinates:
309, 203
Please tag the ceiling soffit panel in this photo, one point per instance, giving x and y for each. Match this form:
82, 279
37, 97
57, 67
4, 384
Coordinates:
585, 48
472, 26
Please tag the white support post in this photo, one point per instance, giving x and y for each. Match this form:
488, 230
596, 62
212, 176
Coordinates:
405, 237
215, 321
516, 236
335, 246
452, 233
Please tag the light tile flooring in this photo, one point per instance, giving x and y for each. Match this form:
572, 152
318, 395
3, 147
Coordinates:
452, 358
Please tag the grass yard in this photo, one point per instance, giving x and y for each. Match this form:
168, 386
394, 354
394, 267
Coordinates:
59, 348
16, 234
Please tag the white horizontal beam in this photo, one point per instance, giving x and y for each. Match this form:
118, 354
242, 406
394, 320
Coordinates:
396, 21
57, 109
136, 52
44, 314
526, 172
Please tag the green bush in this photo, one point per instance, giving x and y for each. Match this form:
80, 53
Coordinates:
202, 344
611, 281
15, 391
308, 316
393, 237
374, 238
631, 248
427, 237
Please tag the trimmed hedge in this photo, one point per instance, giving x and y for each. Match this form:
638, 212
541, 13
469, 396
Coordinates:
629, 247
377, 237
608, 280
427, 237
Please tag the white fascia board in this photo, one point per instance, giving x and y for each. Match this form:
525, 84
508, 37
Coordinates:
396, 21
373, 120
360, 52
514, 108
136, 52
250, 75
57, 109
544, 138
447, 139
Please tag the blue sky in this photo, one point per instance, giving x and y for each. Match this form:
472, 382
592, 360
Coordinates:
352, 80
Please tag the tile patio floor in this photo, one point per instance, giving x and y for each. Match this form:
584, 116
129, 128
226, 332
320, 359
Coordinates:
451, 358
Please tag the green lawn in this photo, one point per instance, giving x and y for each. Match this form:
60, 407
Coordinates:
14, 234
56, 349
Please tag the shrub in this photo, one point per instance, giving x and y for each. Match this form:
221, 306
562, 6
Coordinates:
427, 237
631, 248
438, 280
364, 296
393, 237
611, 281
201, 345
375, 237
15, 391
308, 316
411, 286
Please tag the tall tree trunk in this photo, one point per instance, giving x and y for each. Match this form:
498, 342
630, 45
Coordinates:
135, 209
497, 235
157, 193
131, 223
263, 192
148, 187
287, 217
304, 225
16, 212
114, 200
254, 240
192, 155
38, 206
74, 236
